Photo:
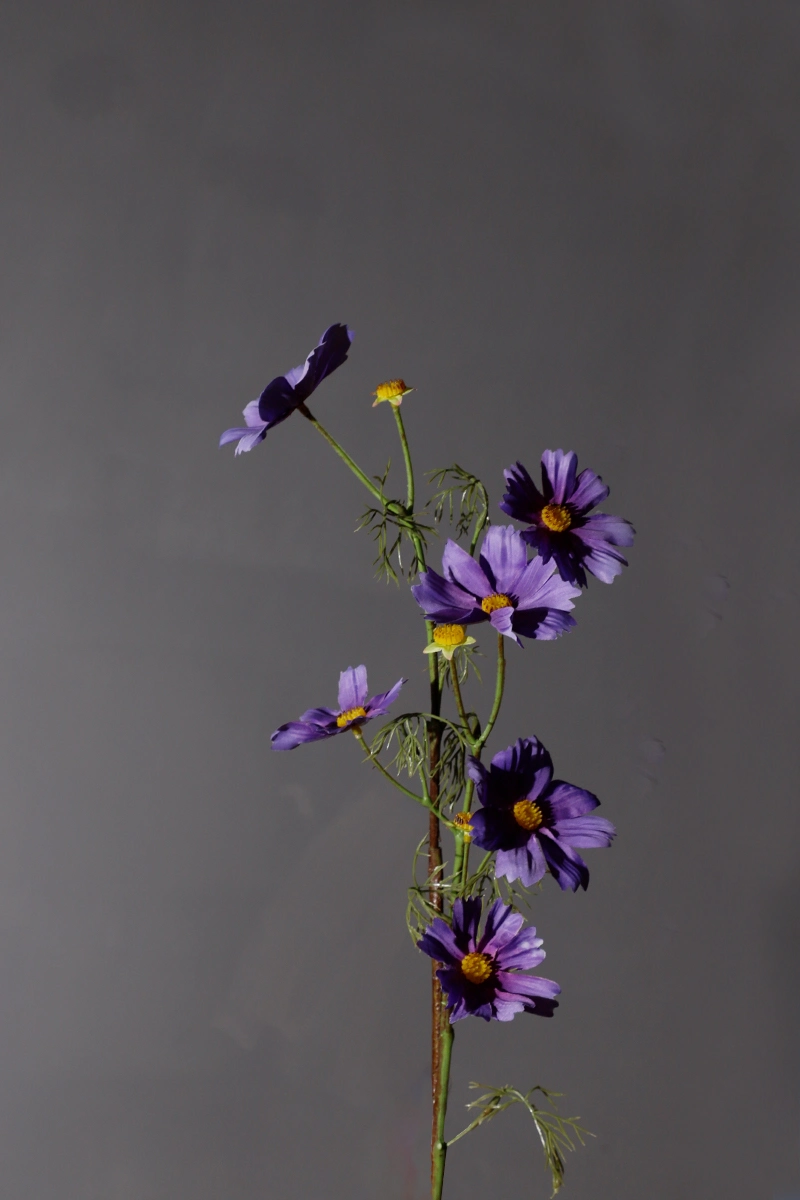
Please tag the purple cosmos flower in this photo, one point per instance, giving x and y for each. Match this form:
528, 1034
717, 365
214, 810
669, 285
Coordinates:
354, 709
482, 974
280, 398
532, 820
559, 524
517, 596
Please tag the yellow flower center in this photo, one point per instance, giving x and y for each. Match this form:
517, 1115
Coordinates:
391, 389
496, 600
528, 815
556, 517
350, 714
464, 822
449, 635
477, 967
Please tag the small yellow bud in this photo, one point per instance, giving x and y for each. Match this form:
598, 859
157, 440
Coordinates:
393, 391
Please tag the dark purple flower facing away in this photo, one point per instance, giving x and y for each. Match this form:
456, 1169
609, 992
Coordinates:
516, 596
533, 821
559, 518
280, 398
354, 709
482, 974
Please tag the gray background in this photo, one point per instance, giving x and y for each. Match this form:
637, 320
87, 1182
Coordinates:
568, 225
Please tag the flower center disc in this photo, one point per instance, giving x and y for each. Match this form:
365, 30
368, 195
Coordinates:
489, 604
528, 815
556, 517
350, 714
449, 635
477, 967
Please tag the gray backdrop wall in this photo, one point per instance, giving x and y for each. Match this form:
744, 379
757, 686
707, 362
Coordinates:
568, 225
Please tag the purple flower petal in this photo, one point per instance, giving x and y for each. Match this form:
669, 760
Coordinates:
523, 500
461, 568
603, 527
567, 868
381, 703
503, 558
319, 716
502, 926
543, 624
466, 918
522, 952
585, 832
589, 491
525, 863
540, 587
440, 942
442, 600
352, 688
565, 800
502, 620
295, 733
558, 475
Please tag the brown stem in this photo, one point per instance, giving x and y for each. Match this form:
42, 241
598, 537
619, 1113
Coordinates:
436, 899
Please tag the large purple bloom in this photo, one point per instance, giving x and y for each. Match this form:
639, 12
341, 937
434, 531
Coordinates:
517, 596
561, 524
354, 709
280, 398
534, 821
481, 974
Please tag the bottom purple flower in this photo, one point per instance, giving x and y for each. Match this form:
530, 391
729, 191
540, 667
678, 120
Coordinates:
482, 974
354, 709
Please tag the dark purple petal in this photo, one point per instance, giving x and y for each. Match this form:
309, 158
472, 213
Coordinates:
585, 832
503, 557
527, 759
523, 499
496, 829
539, 994
461, 568
502, 926
522, 952
324, 358
477, 772
589, 491
277, 402
558, 475
567, 868
381, 703
295, 733
442, 600
439, 942
525, 863
352, 688
565, 800
544, 624
466, 917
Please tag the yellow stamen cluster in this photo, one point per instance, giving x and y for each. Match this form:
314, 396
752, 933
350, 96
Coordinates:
477, 967
556, 517
528, 814
495, 601
449, 635
464, 822
349, 715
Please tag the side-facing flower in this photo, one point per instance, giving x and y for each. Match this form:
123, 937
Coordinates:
560, 522
393, 391
482, 972
353, 711
516, 596
533, 821
287, 392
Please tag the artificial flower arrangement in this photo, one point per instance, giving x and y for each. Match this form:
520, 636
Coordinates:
467, 917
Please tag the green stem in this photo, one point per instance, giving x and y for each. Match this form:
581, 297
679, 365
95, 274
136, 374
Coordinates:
354, 467
498, 694
401, 429
459, 702
439, 1148
425, 800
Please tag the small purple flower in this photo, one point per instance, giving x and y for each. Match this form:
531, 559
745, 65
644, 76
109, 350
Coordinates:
534, 821
280, 398
353, 711
482, 975
517, 596
560, 526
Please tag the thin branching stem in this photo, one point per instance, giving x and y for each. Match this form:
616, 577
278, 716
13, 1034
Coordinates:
424, 800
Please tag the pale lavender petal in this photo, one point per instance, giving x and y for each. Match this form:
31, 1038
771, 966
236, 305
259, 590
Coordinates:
599, 526
558, 470
585, 832
502, 924
525, 863
528, 985
604, 563
445, 601
352, 688
589, 491
506, 1007
541, 587
503, 557
522, 952
462, 569
379, 704
502, 620
251, 415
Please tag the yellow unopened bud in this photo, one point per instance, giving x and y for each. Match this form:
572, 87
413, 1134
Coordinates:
393, 391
